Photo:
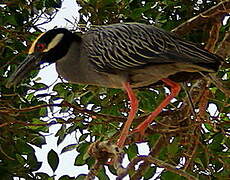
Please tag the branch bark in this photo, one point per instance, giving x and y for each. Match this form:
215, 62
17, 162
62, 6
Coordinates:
216, 12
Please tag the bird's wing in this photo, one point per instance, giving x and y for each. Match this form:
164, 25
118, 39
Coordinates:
125, 46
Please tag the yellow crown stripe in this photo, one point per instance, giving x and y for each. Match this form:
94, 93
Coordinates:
32, 47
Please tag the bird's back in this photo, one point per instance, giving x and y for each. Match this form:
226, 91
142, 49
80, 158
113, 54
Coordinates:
141, 54
125, 46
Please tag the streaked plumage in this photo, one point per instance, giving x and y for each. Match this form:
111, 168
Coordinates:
143, 54
125, 46
120, 56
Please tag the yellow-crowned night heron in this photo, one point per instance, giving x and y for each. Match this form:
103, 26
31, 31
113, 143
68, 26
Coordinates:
120, 56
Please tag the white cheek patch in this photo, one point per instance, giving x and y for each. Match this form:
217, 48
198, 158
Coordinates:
54, 42
32, 47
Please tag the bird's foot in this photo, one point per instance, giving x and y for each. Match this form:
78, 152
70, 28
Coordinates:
104, 151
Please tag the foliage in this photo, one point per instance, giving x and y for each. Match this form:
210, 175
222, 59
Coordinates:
197, 147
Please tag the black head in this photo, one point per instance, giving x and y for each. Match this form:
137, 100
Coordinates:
47, 48
53, 44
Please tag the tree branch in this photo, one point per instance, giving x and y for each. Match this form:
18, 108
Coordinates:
224, 48
216, 12
170, 167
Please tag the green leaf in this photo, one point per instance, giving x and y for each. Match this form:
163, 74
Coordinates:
208, 127
30, 96
81, 177
132, 151
43, 112
198, 161
61, 139
102, 174
72, 128
38, 141
65, 177
90, 161
69, 147
23, 147
83, 137
83, 147
205, 159
33, 162
53, 160
152, 139
173, 147
39, 86
112, 170
61, 131
42, 176
86, 156
216, 145
172, 176
70, 97
61, 134
79, 161
150, 172
11, 20
148, 100
20, 159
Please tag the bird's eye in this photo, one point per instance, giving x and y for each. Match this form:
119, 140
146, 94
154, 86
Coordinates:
40, 47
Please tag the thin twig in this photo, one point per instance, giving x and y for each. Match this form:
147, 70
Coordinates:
171, 168
161, 142
221, 9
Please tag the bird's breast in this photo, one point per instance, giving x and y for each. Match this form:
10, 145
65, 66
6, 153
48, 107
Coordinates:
80, 71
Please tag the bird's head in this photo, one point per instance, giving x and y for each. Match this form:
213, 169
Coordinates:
47, 48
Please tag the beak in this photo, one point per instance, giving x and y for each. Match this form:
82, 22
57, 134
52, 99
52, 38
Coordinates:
31, 62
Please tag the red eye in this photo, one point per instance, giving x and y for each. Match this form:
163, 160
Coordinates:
40, 47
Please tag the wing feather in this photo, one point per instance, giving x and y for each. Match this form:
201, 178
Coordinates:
125, 46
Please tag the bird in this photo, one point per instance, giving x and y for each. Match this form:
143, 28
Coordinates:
123, 55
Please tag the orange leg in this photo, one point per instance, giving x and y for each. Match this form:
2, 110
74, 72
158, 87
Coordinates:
132, 113
175, 89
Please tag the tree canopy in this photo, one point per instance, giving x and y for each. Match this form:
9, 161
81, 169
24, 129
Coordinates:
189, 139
